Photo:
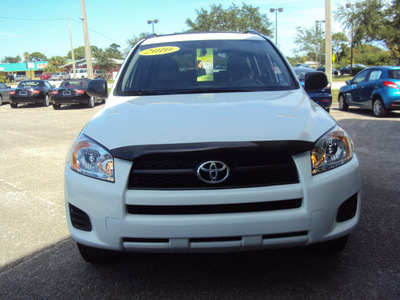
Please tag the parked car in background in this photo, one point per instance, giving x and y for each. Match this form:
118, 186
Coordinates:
82, 73
21, 77
4, 93
323, 96
347, 69
73, 91
322, 69
375, 88
303, 65
10, 78
31, 91
45, 76
235, 160
60, 76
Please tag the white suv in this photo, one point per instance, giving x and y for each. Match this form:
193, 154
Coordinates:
208, 142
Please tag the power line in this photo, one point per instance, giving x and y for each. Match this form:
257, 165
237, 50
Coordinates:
41, 19
101, 34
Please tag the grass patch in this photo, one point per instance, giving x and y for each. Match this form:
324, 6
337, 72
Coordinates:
342, 77
335, 94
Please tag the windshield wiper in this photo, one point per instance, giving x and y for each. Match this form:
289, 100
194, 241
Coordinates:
213, 90
140, 92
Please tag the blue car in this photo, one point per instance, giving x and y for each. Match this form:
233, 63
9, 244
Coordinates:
322, 97
375, 88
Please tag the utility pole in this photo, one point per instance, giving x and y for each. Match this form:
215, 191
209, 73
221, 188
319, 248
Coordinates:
88, 54
328, 40
72, 50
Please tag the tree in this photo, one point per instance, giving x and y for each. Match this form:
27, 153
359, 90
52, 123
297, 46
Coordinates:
103, 62
37, 56
26, 56
339, 45
79, 53
373, 20
231, 19
11, 60
310, 40
113, 51
54, 64
133, 41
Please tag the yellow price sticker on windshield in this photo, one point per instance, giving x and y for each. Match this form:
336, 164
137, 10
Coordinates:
159, 50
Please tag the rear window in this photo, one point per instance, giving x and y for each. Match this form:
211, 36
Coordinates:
204, 66
74, 83
31, 84
394, 74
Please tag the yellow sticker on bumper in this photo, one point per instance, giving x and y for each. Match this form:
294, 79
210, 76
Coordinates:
159, 50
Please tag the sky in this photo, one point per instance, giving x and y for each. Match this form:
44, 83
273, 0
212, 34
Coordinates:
42, 25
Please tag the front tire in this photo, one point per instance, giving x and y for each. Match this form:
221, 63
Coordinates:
56, 106
378, 108
1, 100
343, 105
94, 255
14, 105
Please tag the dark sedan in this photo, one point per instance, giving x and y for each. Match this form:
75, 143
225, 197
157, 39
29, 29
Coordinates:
322, 97
4, 93
73, 91
334, 71
347, 69
375, 88
31, 91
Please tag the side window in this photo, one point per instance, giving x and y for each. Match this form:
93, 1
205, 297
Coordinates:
47, 84
375, 75
360, 77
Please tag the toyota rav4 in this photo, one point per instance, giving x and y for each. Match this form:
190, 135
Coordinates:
208, 143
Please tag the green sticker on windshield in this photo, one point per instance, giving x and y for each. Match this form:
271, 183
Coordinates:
205, 64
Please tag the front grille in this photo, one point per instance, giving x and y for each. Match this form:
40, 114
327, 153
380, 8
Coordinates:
254, 165
214, 208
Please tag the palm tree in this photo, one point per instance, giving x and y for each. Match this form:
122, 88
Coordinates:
26, 56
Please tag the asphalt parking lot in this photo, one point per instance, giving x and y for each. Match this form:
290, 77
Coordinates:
38, 260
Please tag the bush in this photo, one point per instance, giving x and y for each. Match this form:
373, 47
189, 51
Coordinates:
2, 78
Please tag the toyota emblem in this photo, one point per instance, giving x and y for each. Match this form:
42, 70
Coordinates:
213, 172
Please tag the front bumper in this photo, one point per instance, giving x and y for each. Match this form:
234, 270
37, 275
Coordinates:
114, 228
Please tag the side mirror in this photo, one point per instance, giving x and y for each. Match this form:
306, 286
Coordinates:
315, 81
348, 82
97, 88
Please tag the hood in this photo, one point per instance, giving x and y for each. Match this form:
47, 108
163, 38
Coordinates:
219, 117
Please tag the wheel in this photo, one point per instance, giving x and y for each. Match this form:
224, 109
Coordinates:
327, 110
343, 105
56, 106
46, 101
332, 246
378, 108
14, 105
94, 255
90, 103
1, 100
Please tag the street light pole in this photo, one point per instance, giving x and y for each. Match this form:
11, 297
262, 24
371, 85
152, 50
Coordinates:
352, 6
152, 22
276, 22
318, 32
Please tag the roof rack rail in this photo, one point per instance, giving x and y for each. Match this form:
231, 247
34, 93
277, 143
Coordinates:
252, 31
151, 35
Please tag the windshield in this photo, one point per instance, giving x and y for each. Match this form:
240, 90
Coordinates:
204, 66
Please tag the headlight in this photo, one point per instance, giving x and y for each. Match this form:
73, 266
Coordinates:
91, 159
332, 150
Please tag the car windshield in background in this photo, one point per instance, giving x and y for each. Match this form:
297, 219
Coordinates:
74, 83
301, 72
29, 83
205, 67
